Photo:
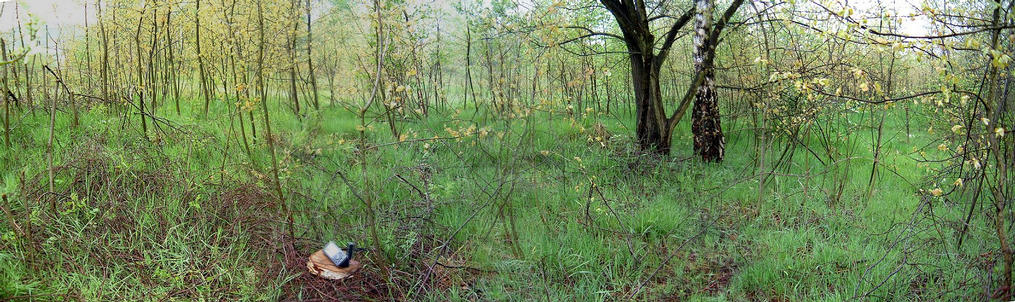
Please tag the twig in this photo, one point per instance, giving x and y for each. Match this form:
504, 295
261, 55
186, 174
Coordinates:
10, 217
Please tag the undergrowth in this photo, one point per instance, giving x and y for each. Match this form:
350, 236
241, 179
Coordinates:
542, 206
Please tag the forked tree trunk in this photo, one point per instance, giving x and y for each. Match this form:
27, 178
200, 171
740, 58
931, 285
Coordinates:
654, 127
652, 133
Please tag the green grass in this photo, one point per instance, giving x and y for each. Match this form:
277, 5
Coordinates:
187, 215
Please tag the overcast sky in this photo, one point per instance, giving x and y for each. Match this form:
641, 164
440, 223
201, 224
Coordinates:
917, 27
52, 12
71, 13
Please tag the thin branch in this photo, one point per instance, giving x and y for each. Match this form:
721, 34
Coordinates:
671, 36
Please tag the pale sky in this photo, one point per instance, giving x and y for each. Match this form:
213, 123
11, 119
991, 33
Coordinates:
68, 14
52, 12
916, 27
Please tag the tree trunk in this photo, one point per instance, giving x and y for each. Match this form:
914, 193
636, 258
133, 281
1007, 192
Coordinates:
709, 142
310, 59
654, 128
7, 100
293, 93
105, 53
200, 60
263, 94
652, 132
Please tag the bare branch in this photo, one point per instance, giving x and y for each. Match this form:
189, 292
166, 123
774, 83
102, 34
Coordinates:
671, 36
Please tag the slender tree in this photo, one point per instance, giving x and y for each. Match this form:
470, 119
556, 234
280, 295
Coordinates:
105, 51
310, 57
200, 59
291, 45
6, 96
263, 94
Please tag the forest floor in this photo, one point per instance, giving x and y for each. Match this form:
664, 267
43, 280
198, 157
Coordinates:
466, 206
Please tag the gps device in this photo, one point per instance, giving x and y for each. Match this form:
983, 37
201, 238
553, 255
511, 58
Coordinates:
339, 257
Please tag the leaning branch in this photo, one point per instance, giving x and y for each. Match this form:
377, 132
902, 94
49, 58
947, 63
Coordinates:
881, 101
671, 36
